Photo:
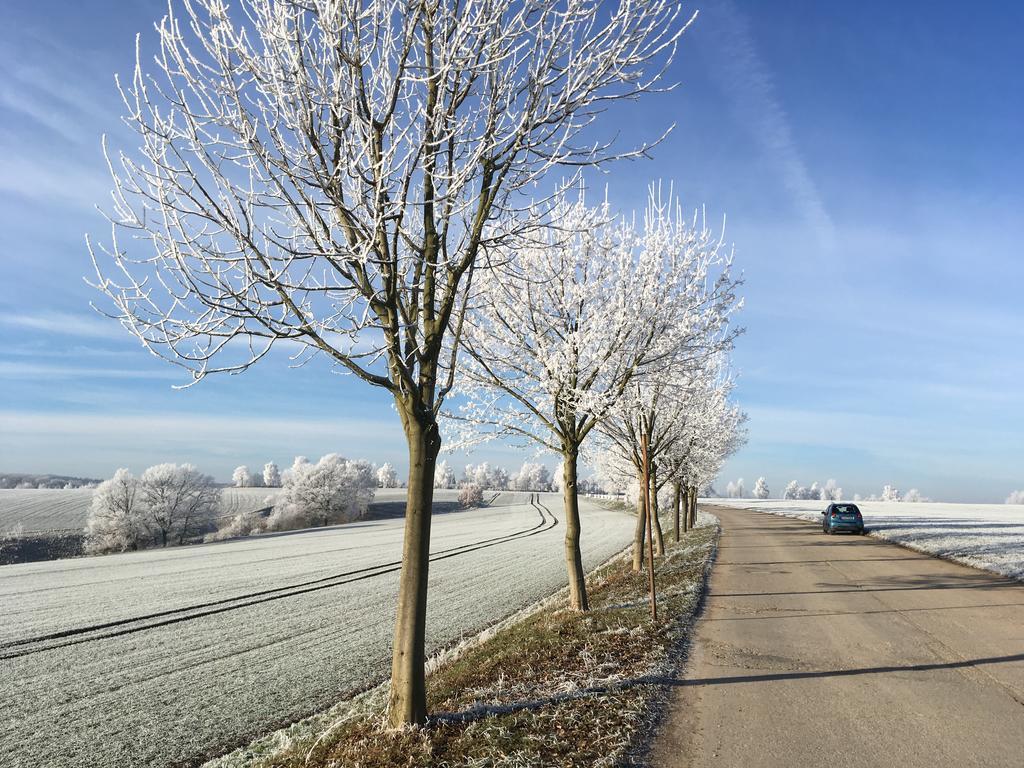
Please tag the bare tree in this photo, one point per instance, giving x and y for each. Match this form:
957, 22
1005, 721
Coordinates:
689, 425
178, 502
556, 335
271, 475
115, 522
241, 477
334, 490
328, 173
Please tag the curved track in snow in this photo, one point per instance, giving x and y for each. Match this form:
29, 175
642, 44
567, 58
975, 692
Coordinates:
167, 657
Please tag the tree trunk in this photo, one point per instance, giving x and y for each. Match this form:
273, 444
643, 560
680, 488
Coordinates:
407, 700
693, 506
573, 556
659, 536
676, 504
684, 502
638, 531
650, 532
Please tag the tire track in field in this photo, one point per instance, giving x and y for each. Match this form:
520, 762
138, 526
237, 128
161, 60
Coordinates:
75, 636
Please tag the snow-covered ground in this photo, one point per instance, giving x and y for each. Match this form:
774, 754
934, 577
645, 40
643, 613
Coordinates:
988, 536
253, 633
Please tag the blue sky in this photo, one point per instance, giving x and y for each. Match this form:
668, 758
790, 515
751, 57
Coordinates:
868, 159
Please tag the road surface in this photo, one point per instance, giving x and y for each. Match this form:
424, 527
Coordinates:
818, 650
162, 658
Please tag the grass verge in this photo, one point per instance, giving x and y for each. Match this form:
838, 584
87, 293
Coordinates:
555, 688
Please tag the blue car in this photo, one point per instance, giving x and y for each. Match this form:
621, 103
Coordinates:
842, 517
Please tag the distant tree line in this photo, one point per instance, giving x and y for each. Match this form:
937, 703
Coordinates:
830, 491
171, 504
51, 482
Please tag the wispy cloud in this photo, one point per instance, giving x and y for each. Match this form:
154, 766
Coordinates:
23, 370
70, 98
65, 324
748, 82
45, 178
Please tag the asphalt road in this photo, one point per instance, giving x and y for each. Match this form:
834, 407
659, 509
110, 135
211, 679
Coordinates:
166, 657
818, 650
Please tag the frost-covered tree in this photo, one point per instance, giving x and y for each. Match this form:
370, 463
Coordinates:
1015, 497
532, 476
168, 504
915, 496
831, 491
890, 493
678, 426
444, 476
386, 476
179, 502
330, 174
761, 489
115, 522
271, 475
500, 479
471, 495
241, 477
741, 491
792, 490
334, 490
589, 303
477, 474
730, 490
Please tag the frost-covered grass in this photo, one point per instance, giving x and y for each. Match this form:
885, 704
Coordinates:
163, 694
987, 536
553, 687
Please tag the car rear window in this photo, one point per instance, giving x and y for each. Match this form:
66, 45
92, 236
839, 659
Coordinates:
846, 509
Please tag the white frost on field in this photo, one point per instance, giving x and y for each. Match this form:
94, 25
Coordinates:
38, 509
49, 509
987, 536
177, 693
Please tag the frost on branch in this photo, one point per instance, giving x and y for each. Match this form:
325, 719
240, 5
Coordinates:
328, 173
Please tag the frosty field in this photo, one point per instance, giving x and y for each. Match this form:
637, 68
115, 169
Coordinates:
165, 657
988, 536
38, 510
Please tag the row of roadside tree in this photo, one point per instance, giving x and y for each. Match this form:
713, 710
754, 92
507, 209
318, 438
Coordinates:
391, 210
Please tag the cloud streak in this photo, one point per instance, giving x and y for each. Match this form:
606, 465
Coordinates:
747, 80
65, 324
